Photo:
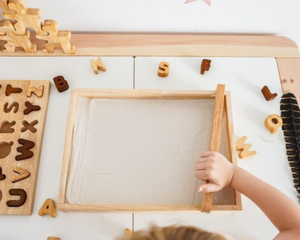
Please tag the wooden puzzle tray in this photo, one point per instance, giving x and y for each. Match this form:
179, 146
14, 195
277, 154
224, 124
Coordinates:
23, 114
114, 168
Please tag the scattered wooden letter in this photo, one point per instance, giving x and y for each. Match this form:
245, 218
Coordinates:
163, 69
244, 148
267, 94
61, 83
98, 65
273, 122
205, 65
48, 208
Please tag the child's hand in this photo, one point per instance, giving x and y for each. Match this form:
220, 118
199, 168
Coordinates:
215, 168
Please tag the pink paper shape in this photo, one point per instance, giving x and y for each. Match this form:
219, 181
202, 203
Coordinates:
189, 1
208, 2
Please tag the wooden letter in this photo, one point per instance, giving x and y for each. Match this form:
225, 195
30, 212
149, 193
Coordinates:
244, 148
10, 90
163, 69
2, 176
61, 84
205, 65
23, 174
273, 122
98, 65
38, 92
6, 127
17, 203
30, 108
267, 94
25, 149
29, 126
48, 208
14, 105
5, 149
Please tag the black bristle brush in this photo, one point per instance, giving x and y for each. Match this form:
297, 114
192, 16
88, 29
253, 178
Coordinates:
290, 114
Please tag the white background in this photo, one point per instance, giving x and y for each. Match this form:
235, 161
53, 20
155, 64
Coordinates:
280, 17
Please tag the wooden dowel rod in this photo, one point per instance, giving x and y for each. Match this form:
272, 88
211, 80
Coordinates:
215, 139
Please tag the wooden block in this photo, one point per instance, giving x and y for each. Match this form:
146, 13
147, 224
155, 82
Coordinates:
6, 127
5, 149
55, 38
30, 108
38, 92
128, 232
25, 17
5, 8
98, 65
12, 41
273, 122
267, 94
53, 238
48, 208
61, 83
22, 198
163, 69
17, 170
244, 148
22, 174
205, 66
215, 139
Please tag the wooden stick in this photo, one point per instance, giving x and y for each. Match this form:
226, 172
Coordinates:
215, 139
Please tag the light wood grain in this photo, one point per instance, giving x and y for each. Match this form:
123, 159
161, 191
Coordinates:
215, 139
98, 44
9, 163
135, 94
289, 72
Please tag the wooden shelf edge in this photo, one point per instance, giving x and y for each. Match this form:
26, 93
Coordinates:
193, 45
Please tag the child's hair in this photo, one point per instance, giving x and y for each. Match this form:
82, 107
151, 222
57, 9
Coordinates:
174, 233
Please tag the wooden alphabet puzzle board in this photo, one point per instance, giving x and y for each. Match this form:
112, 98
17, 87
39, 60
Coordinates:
23, 107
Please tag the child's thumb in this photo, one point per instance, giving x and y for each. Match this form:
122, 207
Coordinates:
208, 187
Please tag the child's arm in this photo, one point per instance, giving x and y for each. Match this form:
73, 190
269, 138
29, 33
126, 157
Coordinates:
282, 212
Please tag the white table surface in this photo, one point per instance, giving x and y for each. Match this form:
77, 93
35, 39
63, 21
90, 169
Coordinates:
243, 77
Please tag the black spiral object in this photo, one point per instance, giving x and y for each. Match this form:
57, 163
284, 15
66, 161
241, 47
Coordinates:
290, 114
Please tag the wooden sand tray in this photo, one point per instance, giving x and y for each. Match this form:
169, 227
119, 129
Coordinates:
73, 179
23, 114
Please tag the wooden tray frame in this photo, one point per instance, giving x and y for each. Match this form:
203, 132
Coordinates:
139, 94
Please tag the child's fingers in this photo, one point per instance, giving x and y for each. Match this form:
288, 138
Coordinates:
206, 154
201, 175
209, 187
200, 166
